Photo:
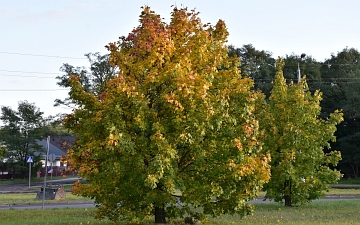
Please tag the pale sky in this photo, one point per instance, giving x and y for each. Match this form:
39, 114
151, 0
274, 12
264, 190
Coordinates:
37, 37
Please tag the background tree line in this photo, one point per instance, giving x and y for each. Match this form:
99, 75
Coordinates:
338, 78
21, 129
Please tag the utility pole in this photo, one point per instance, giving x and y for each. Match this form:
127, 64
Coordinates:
298, 70
46, 159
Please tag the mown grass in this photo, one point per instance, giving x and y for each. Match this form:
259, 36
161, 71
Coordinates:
334, 191
30, 198
33, 180
333, 212
338, 191
319, 212
65, 216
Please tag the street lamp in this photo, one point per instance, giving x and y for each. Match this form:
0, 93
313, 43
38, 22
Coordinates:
298, 70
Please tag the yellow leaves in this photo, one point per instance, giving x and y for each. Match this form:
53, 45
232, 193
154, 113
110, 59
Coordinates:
238, 144
171, 98
252, 166
98, 116
114, 138
216, 189
140, 122
151, 181
157, 137
232, 165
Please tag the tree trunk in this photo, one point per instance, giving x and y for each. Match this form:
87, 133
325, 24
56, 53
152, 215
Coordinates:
287, 196
160, 214
287, 200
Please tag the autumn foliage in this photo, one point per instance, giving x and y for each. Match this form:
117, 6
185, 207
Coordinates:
296, 137
178, 118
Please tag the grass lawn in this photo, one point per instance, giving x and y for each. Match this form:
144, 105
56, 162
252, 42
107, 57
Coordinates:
65, 216
34, 179
335, 191
334, 212
30, 198
343, 212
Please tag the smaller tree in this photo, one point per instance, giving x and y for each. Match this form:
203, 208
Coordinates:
295, 135
19, 135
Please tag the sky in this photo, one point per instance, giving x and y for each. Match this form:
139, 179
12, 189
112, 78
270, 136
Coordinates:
38, 36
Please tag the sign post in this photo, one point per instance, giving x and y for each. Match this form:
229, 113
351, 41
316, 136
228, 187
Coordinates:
46, 159
29, 159
52, 158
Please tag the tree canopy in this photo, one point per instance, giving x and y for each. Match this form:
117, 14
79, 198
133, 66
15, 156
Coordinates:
177, 117
341, 87
19, 135
3, 151
257, 65
93, 81
295, 136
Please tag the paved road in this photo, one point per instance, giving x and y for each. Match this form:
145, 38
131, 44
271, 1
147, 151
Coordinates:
327, 198
18, 188
23, 188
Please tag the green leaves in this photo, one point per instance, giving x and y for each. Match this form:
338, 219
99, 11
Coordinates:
300, 168
21, 130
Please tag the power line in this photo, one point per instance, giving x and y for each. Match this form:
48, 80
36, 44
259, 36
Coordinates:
48, 56
12, 90
20, 71
12, 75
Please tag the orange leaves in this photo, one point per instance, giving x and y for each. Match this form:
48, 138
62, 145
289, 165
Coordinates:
238, 144
77, 187
220, 33
257, 166
248, 129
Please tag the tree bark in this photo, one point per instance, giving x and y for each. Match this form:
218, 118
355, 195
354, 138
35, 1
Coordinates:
287, 196
160, 214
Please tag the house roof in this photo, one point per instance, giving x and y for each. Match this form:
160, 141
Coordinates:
62, 142
56, 145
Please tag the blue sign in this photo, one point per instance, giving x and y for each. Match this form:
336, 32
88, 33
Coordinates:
30, 159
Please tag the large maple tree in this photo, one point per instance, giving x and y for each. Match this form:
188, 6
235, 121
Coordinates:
178, 118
